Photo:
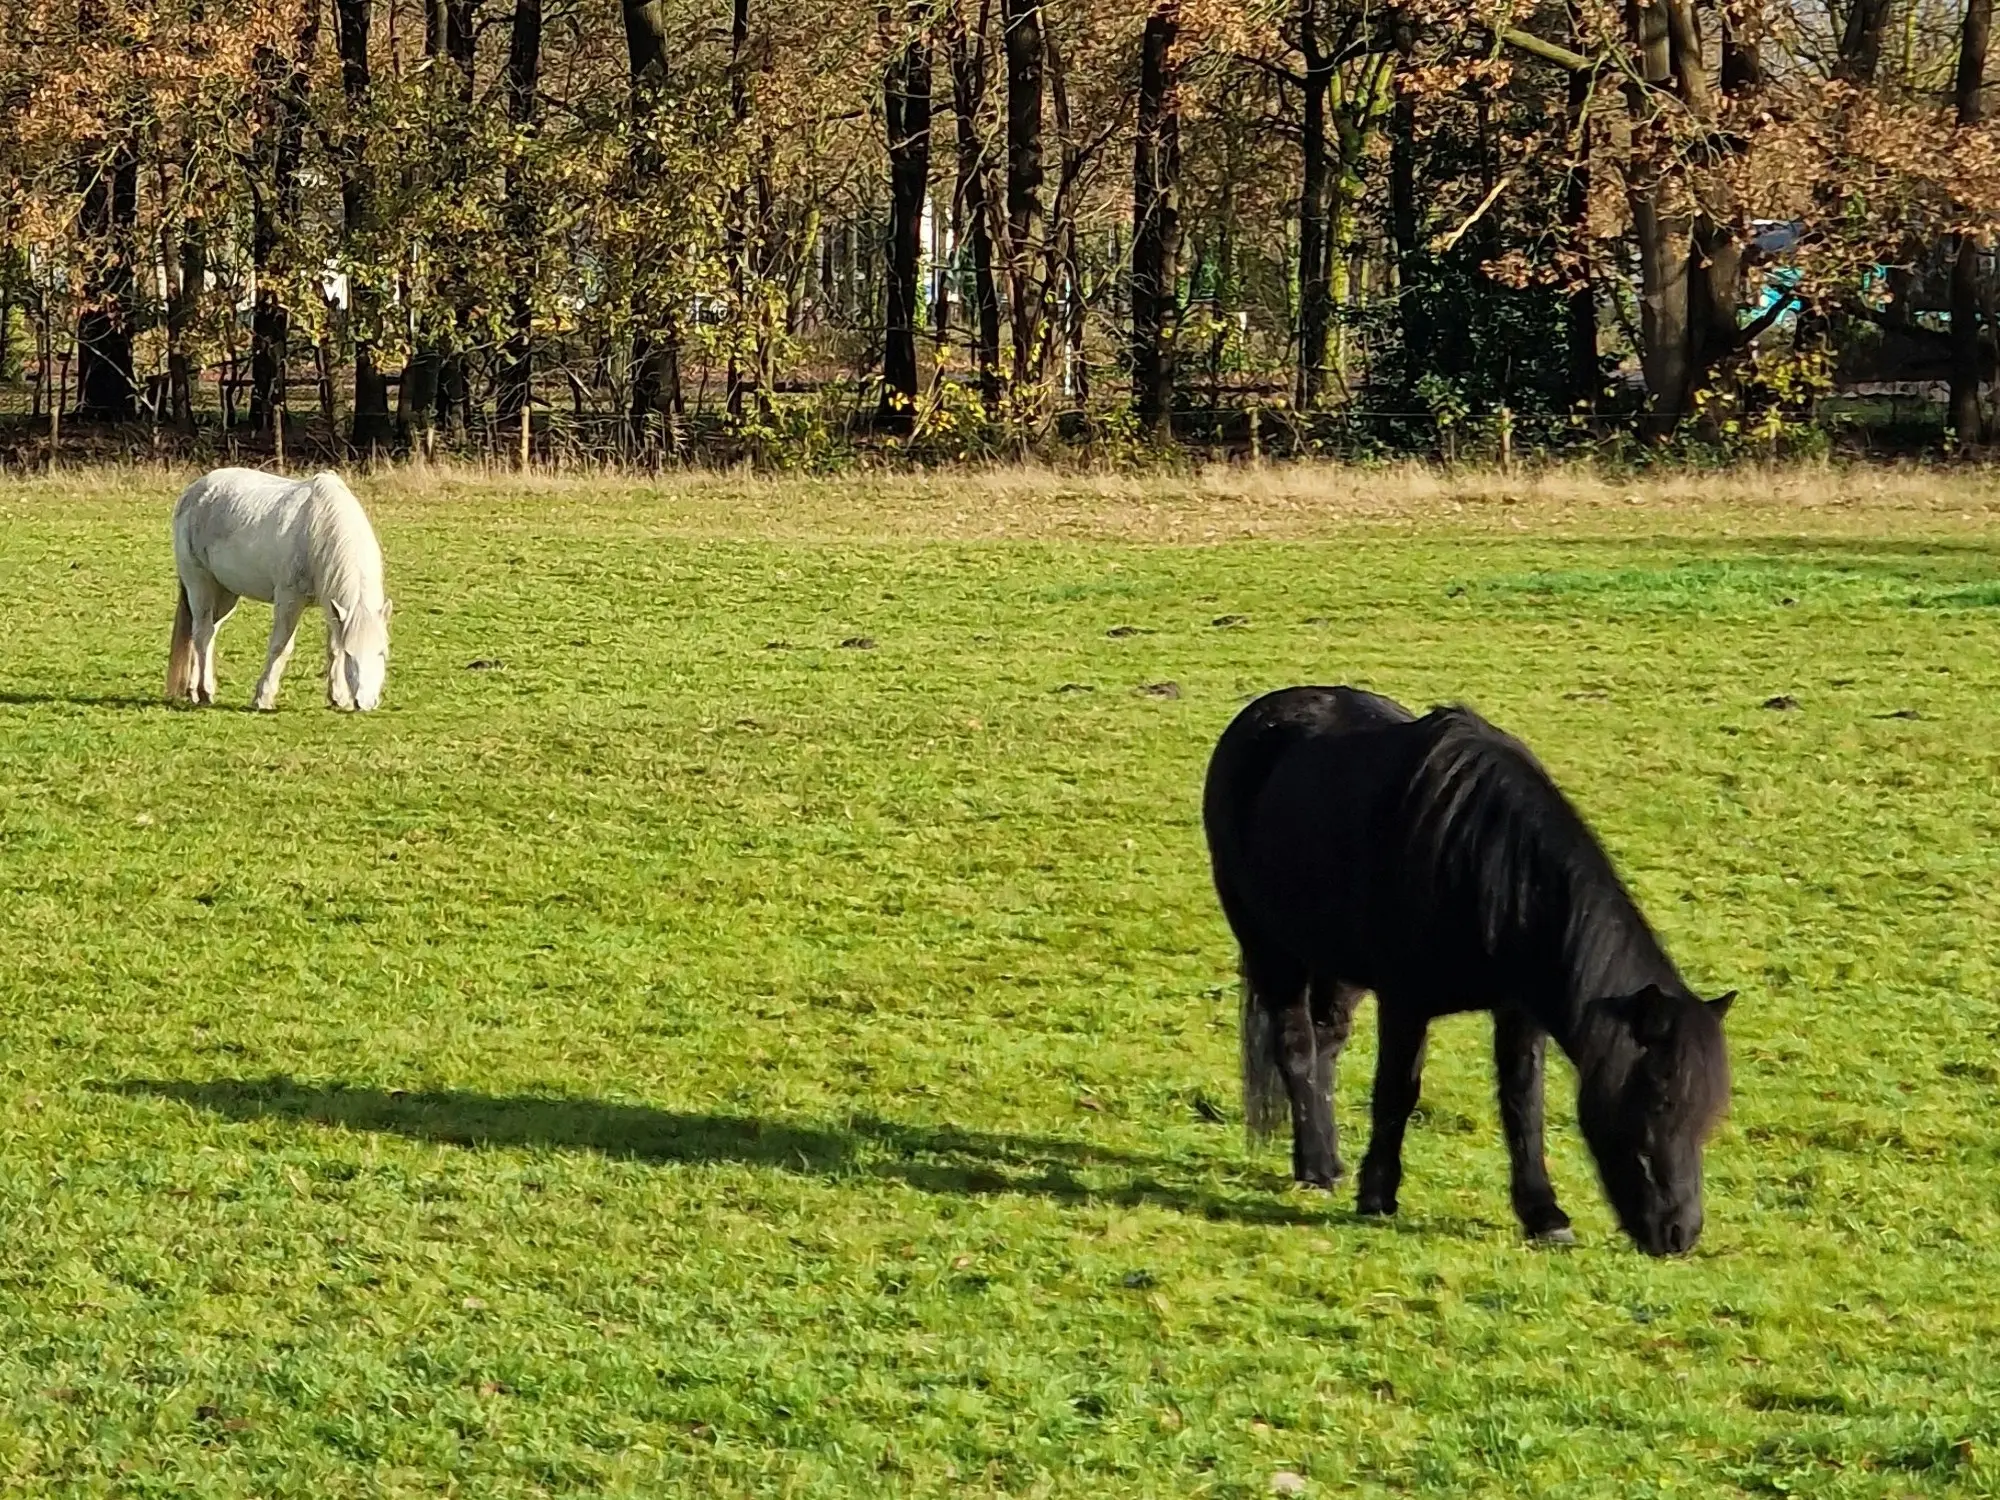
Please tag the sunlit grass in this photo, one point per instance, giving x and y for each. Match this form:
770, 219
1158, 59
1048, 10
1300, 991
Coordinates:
747, 1015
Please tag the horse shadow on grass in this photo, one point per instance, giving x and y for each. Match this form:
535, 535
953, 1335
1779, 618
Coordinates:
942, 1159
123, 702
13, 698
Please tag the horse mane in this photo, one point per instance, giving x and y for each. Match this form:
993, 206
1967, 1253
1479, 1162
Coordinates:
346, 556
1490, 834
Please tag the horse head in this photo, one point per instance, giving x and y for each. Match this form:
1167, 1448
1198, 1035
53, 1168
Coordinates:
1653, 1077
361, 657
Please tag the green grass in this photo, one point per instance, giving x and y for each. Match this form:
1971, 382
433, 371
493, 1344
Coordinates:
686, 1055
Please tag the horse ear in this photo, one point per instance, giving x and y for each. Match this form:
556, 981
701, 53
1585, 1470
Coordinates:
1719, 1006
388, 609
340, 612
1652, 1015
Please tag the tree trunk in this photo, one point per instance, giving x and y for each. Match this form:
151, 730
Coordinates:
454, 395
1224, 261
1075, 309
1062, 271
1405, 230
187, 265
435, 385
273, 74
1585, 373
357, 201
1354, 121
968, 89
1742, 62
1966, 418
907, 102
745, 379
1021, 21
275, 219
1156, 227
418, 391
1715, 274
1861, 41
740, 383
105, 385
656, 364
524, 62
270, 340
1313, 208
460, 38
108, 176
1664, 232
1715, 281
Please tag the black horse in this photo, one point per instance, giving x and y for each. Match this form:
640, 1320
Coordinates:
1432, 860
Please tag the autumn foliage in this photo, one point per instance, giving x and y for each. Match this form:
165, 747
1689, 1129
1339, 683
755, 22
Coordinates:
975, 224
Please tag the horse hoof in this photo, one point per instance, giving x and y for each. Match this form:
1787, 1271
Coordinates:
1561, 1235
1376, 1208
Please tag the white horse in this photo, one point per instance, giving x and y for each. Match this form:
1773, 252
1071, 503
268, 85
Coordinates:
244, 534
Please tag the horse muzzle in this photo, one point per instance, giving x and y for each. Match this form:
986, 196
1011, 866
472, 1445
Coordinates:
1670, 1234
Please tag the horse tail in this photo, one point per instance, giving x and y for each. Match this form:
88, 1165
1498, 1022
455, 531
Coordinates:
181, 664
1266, 1104
1244, 759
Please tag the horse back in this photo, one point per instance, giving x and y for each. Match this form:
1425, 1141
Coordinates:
1295, 789
1432, 856
237, 502
246, 528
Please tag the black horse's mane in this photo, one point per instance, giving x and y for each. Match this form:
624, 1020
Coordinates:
1489, 834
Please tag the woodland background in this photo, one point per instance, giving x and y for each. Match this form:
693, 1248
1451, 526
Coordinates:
798, 230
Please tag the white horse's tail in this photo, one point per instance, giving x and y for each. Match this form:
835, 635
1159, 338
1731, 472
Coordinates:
181, 663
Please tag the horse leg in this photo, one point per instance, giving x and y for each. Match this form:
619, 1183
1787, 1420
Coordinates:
209, 603
1333, 1005
285, 612
1518, 1049
1280, 986
224, 607
337, 693
1399, 1076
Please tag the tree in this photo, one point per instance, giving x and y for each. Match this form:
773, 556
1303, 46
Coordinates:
1315, 313
686, 210
1156, 172
656, 370
108, 179
357, 197
1970, 92
1861, 41
1027, 290
524, 62
906, 98
451, 31
972, 197
276, 195
743, 381
1586, 375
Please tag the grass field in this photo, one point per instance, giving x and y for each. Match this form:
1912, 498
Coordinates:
746, 1016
